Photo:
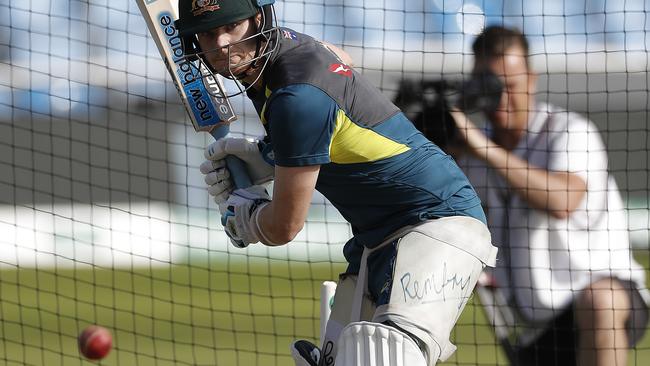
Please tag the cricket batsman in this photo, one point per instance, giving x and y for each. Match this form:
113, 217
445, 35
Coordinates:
420, 239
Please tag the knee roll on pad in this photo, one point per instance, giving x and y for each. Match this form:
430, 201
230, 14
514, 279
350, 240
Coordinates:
374, 344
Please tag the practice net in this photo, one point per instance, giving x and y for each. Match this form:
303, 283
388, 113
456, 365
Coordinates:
105, 218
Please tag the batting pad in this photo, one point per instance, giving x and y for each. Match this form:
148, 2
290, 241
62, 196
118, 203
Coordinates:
372, 344
436, 269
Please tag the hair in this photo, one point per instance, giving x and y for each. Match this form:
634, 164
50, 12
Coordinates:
495, 41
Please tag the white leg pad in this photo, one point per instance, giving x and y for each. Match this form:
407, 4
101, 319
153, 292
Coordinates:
375, 344
437, 265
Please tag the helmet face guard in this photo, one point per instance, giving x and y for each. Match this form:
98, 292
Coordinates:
265, 37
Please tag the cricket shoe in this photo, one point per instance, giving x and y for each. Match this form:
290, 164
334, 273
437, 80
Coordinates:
305, 353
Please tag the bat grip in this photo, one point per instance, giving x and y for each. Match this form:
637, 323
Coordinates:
238, 172
236, 167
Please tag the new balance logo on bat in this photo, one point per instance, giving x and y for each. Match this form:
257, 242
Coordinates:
193, 87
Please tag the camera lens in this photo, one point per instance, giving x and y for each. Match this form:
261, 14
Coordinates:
481, 93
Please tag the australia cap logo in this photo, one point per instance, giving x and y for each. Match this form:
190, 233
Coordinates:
341, 69
201, 6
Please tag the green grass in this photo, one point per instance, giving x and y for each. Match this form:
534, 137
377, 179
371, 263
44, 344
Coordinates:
222, 313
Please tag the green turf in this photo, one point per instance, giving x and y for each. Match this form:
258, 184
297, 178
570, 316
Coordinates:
224, 313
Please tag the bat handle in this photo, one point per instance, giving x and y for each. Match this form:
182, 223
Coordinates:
238, 172
236, 167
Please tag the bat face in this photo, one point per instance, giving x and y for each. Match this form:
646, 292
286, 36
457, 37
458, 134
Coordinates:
202, 95
201, 92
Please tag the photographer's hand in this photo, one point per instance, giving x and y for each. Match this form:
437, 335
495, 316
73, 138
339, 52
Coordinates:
477, 144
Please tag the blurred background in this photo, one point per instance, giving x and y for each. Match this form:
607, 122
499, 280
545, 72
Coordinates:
104, 216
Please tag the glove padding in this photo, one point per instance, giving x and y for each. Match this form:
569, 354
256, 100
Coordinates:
217, 177
240, 215
255, 154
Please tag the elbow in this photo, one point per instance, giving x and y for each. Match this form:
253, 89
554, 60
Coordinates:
564, 205
284, 234
566, 209
561, 214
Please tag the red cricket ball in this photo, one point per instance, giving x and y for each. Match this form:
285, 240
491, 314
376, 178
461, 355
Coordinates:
95, 342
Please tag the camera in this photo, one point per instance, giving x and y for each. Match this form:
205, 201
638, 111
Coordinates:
427, 103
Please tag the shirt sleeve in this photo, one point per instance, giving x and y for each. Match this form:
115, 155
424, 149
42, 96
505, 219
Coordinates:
577, 147
301, 123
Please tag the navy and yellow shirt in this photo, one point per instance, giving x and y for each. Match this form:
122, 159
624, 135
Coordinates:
377, 169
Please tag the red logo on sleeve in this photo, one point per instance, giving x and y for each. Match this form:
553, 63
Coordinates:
341, 69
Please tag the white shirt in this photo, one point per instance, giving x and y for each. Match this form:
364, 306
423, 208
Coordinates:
552, 259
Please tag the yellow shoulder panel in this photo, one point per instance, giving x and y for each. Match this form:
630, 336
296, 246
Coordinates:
352, 143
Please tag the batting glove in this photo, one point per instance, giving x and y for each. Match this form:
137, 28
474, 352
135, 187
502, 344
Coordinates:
218, 180
257, 155
241, 215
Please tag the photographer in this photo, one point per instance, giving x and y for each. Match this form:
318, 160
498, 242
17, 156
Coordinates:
565, 263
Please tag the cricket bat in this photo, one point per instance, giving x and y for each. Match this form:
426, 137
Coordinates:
199, 94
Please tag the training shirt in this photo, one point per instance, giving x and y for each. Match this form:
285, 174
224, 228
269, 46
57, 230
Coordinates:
544, 261
377, 169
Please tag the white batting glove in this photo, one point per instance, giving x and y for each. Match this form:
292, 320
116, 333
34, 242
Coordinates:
257, 156
218, 180
240, 218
